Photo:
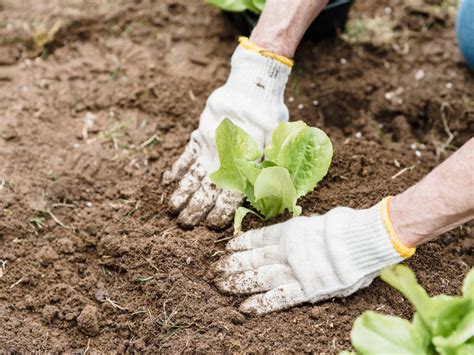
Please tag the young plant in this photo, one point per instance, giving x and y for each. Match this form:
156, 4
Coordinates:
256, 6
441, 324
297, 159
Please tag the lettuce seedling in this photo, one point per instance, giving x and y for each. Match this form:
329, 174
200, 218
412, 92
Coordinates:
256, 6
297, 159
441, 324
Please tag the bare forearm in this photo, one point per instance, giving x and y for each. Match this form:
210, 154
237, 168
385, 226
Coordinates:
443, 200
283, 23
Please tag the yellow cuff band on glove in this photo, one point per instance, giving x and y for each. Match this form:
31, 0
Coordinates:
404, 251
244, 42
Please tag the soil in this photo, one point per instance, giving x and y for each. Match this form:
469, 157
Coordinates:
94, 261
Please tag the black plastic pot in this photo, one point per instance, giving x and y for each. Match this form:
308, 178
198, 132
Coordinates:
332, 19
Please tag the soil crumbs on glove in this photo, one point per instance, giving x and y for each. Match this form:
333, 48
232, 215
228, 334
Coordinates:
92, 114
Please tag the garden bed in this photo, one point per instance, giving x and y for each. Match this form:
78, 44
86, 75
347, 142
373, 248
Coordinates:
92, 260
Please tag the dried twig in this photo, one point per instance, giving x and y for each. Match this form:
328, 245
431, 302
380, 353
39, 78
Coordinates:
154, 139
3, 263
224, 239
166, 232
403, 171
115, 304
57, 220
87, 347
151, 264
54, 205
442, 148
16, 283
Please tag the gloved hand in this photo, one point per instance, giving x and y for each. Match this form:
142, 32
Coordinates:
308, 259
253, 99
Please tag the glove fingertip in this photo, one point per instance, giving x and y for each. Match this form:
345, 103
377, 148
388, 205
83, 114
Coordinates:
216, 220
254, 305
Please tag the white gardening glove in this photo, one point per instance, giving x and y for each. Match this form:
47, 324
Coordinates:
308, 259
252, 98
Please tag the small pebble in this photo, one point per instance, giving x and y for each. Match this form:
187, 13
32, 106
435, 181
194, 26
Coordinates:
89, 204
418, 153
101, 295
291, 99
387, 10
420, 74
343, 61
449, 85
358, 135
315, 102
300, 106
413, 146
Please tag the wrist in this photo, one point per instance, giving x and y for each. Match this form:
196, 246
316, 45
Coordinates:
410, 230
367, 240
265, 51
276, 44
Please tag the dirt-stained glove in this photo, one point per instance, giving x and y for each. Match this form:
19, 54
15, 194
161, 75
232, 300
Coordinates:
308, 259
253, 99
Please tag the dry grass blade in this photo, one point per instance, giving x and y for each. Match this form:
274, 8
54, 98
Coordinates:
3, 263
41, 36
115, 304
404, 170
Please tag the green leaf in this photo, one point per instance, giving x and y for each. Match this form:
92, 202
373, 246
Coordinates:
447, 312
468, 285
298, 158
280, 135
267, 164
404, 280
237, 151
375, 333
305, 151
255, 6
230, 5
251, 6
274, 192
463, 332
259, 5
465, 349
307, 156
440, 314
249, 170
239, 216
424, 333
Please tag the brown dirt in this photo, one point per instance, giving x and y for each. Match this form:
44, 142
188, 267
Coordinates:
111, 270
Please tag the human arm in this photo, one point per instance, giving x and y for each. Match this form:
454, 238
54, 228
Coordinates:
283, 23
443, 200
252, 98
308, 259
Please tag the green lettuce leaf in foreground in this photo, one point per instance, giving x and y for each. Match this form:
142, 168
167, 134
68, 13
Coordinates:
441, 324
297, 159
375, 333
